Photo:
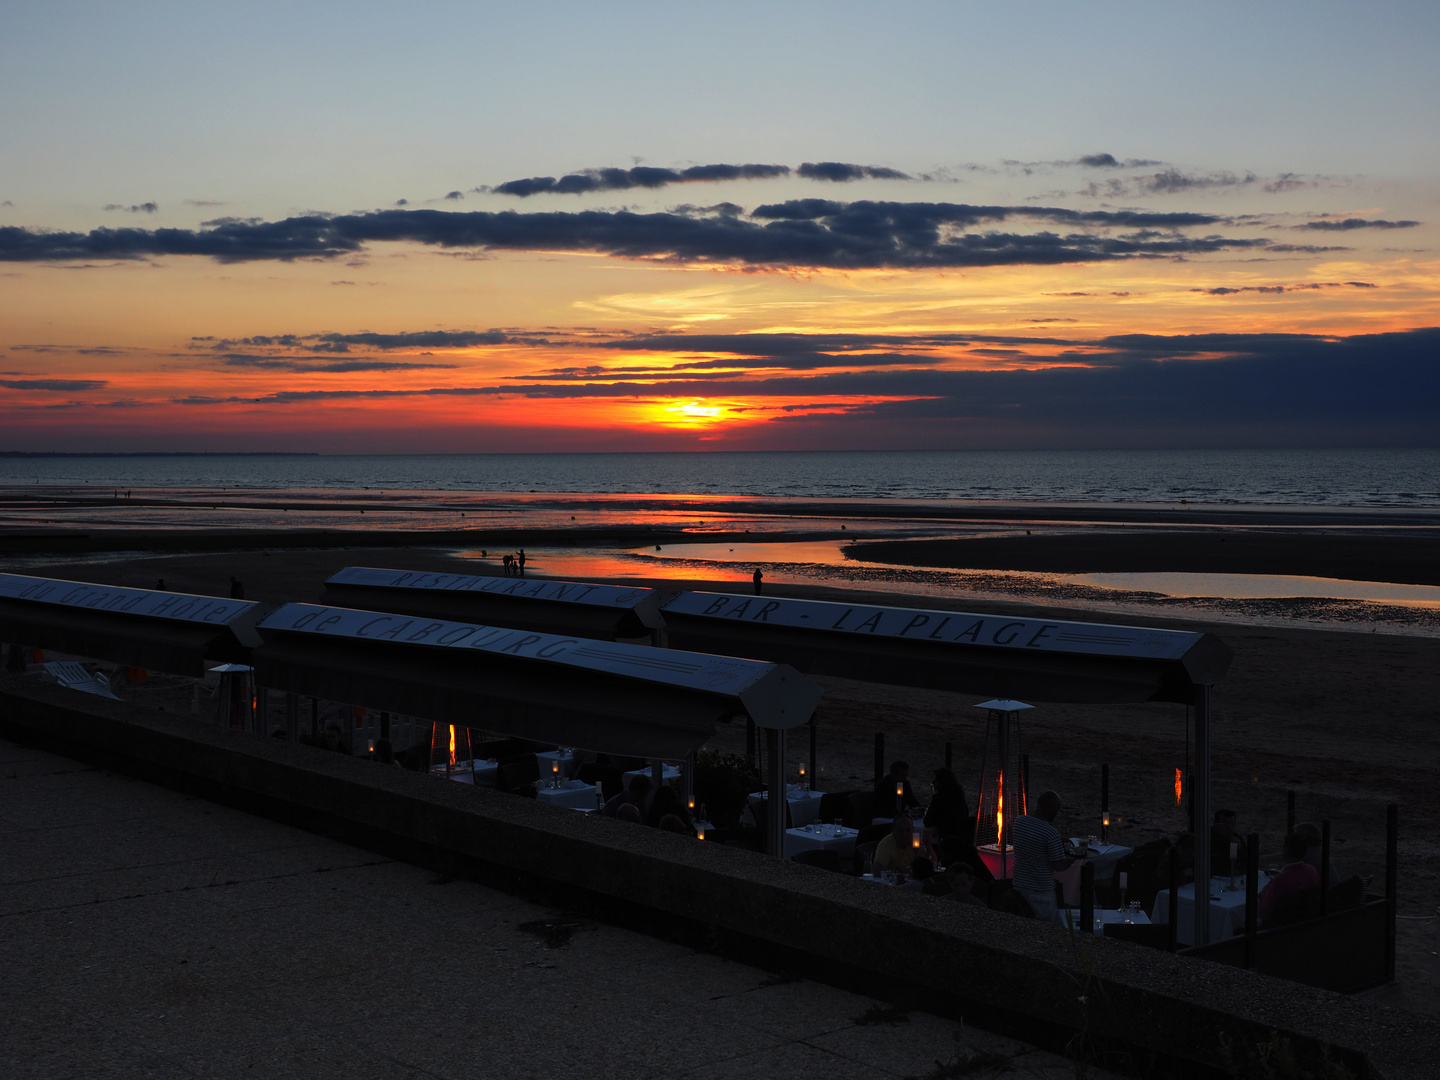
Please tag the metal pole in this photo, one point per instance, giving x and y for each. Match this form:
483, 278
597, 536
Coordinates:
1104, 801
1324, 867
1252, 895
687, 781
384, 725
775, 811
315, 722
1174, 901
1201, 803
814, 776
1003, 745
1392, 874
262, 711
750, 740
292, 717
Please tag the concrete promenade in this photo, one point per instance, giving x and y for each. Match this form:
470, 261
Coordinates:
146, 933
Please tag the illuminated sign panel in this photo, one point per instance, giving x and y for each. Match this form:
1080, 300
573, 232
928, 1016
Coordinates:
942, 627
695, 671
568, 592
182, 607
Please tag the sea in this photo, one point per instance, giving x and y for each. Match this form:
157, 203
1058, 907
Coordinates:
803, 511
1407, 478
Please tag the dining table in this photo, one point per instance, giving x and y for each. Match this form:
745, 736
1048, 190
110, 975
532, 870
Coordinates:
1227, 908
1068, 916
576, 794
551, 761
670, 772
1103, 857
820, 837
804, 804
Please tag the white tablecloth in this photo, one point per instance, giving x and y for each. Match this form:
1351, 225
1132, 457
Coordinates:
575, 794
1227, 909
547, 759
1102, 916
820, 838
671, 773
1103, 857
804, 805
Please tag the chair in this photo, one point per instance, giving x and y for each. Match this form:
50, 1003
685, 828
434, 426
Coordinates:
1003, 897
861, 809
836, 804
761, 809
825, 860
864, 853
517, 772
1152, 935
1348, 894
1293, 908
610, 779
875, 833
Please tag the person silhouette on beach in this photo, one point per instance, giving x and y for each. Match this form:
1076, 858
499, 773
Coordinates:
757, 577
237, 588
520, 563
505, 562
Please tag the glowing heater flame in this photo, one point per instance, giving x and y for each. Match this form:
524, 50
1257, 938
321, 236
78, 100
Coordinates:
1000, 810
1179, 786
452, 744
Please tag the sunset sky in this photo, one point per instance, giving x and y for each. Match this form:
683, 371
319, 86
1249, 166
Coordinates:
469, 227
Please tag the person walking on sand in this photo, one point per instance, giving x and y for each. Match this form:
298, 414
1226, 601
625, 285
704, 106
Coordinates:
506, 563
757, 577
520, 563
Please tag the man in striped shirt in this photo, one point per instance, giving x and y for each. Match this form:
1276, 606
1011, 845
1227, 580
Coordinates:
1039, 855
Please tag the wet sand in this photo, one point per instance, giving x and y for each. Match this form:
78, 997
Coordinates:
1406, 556
1349, 721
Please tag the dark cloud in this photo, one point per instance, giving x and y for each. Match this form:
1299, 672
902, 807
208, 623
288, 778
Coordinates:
1349, 224
421, 339
860, 235
1172, 180
62, 385
402, 202
1302, 287
455, 196
642, 176
140, 208
320, 365
1098, 161
841, 172
861, 216
1288, 182
202, 202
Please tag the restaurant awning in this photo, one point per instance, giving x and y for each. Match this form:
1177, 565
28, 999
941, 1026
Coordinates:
145, 628
599, 695
556, 607
1036, 659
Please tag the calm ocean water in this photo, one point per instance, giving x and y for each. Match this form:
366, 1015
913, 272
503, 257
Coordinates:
1337, 478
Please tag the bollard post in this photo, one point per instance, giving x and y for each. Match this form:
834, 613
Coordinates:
1252, 896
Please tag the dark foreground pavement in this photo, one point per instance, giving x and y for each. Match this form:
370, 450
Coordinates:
145, 933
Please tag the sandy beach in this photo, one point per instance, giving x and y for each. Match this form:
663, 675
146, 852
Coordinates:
1346, 719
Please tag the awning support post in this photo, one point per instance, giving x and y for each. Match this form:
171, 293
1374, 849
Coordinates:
292, 717
814, 776
775, 789
1200, 800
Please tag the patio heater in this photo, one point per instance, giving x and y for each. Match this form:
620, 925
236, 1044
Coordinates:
1002, 785
450, 751
235, 696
